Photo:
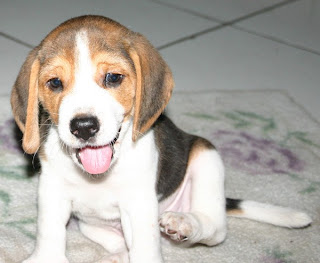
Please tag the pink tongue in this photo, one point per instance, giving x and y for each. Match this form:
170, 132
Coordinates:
96, 160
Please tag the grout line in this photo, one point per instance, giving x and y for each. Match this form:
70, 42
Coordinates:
190, 37
18, 41
222, 25
188, 11
275, 39
262, 11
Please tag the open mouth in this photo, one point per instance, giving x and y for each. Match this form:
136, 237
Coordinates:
97, 159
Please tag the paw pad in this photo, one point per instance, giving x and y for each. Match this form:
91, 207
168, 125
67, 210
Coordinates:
176, 226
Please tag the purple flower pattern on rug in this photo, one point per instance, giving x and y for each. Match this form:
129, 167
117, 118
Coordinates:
255, 155
8, 142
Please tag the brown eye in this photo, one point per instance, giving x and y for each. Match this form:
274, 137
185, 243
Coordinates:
113, 80
55, 84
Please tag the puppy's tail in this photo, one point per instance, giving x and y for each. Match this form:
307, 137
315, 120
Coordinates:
266, 213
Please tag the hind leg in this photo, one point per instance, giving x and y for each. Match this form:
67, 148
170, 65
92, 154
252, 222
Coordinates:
206, 221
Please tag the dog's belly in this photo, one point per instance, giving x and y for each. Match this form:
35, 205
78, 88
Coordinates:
96, 207
180, 200
95, 216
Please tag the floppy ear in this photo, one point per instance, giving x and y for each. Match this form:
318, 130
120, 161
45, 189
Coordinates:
24, 102
154, 85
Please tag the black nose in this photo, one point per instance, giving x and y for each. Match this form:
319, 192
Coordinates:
84, 127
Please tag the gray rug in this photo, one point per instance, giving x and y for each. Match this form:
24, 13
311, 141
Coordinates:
271, 149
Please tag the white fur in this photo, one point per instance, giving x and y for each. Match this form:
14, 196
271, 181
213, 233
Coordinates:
208, 196
100, 202
206, 221
54, 206
275, 215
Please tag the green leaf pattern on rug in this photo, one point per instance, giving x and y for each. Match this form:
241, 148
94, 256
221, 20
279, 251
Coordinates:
22, 226
276, 255
17, 173
202, 116
5, 199
13, 173
243, 119
253, 154
300, 136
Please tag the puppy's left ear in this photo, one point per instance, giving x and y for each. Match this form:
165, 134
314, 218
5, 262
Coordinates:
153, 87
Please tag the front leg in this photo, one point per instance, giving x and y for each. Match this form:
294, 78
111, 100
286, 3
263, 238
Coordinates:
53, 215
139, 219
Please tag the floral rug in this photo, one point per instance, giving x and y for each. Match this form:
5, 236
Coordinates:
271, 149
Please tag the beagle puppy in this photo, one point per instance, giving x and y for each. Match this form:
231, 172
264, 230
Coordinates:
89, 100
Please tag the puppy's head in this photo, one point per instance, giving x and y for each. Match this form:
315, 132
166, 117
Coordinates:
91, 76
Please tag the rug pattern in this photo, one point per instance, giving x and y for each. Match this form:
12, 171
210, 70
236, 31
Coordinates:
271, 149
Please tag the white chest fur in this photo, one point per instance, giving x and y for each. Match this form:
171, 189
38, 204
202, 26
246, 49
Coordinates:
94, 204
98, 200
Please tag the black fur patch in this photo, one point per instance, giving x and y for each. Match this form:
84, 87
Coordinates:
45, 124
233, 204
174, 146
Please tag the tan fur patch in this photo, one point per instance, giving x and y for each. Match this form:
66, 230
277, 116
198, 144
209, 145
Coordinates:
199, 146
59, 67
154, 85
138, 97
235, 212
105, 63
31, 136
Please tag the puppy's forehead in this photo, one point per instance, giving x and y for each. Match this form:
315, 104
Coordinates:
65, 41
82, 52
88, 45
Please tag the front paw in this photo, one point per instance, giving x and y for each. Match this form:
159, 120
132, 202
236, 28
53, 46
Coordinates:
45, 259
116, 258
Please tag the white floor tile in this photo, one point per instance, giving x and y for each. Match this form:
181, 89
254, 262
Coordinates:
12, 56
31, 20
225, 59
233, 60
297, 23
224, 10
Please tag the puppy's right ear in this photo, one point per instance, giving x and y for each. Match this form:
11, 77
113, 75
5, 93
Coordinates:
24, 102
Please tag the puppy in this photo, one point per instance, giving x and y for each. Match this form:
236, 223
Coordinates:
89, 100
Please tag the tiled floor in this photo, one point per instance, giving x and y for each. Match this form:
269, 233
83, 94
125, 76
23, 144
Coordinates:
209, 44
